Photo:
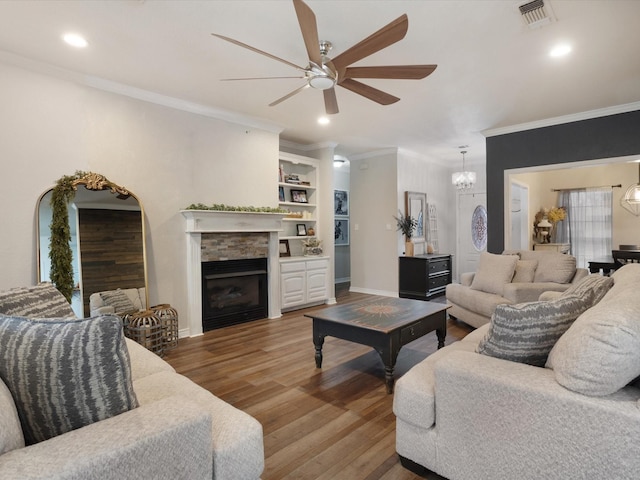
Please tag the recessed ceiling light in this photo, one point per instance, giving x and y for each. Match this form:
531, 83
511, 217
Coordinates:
323, 120
560, 50
75, 40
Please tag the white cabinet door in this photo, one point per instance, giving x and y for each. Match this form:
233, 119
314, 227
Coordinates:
316, 285
293, 283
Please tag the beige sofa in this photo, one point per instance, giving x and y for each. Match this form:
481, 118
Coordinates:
178, 431
513, 277
466, 415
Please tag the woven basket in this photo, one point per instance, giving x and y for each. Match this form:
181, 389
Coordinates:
145, 328
169, 321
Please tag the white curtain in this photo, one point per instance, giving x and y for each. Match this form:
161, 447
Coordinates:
588, 225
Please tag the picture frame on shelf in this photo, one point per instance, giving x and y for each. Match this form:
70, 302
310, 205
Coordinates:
299, 196
341, 203
284, 248
416, 207
341, 231
301, 229
281, 194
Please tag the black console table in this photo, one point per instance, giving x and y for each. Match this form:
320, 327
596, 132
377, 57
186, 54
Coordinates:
424, 277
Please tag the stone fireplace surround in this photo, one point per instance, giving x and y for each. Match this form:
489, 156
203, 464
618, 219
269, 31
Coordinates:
203, 229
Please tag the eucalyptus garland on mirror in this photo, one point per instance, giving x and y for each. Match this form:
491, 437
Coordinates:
60, 241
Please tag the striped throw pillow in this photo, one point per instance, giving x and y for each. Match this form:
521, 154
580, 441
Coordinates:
118, 300
41, 301
526, 332
65, 374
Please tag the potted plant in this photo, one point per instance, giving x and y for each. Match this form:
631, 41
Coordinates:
406, 225
312, 247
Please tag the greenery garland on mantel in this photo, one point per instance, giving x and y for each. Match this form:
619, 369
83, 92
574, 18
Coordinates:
221, 207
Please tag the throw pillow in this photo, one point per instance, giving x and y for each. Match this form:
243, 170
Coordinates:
594, 286
41, 301
600, 353
493, 272
118, 300
65, 374
552, 266
525, 271
526, 332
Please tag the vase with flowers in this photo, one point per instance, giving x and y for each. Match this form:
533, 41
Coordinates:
312, 247
406, 224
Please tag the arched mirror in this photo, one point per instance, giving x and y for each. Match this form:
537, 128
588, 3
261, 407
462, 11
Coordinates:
106, 223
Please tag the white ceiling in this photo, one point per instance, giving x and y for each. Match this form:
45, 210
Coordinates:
493, 71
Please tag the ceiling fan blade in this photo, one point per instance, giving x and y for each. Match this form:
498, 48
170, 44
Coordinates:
330, 101
387, 35
289, 95
410, 72
371, 93
309, 29
253, 49
254, 78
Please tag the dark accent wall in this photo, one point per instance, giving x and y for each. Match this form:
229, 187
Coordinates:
604, 137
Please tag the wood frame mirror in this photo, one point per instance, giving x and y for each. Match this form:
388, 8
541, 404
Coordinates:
107, 227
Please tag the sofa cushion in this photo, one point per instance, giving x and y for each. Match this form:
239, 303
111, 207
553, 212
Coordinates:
525, 271
118, 300
526, 332
600, 353
552, 266
11, 436
65, 374
474, 300
493, 272
41, 301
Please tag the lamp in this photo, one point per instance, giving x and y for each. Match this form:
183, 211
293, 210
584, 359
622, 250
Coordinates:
463, 180
545, 229
631, 199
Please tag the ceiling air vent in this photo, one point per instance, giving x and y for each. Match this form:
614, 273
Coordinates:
536, 14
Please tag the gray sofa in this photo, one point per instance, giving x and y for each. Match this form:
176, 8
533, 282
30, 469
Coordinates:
514, 277
178, 431
466, 415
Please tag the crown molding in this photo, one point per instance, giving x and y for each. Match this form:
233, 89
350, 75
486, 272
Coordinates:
575, 117
137, 93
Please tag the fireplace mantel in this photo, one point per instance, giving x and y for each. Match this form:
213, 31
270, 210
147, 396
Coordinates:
211, 221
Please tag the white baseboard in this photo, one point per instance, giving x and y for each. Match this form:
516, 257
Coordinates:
369, 291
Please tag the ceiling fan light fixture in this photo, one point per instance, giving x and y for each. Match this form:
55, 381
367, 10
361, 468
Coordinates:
322, 82
463, 180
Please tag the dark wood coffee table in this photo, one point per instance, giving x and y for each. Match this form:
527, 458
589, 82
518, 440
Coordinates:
384, 323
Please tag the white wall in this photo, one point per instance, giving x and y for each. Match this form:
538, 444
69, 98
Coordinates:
420, 174
168, 158
373, 236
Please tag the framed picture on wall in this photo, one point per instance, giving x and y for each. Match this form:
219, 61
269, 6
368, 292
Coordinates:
416, 207
341, 231
341, 203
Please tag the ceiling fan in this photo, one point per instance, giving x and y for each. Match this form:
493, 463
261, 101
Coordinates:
324, 73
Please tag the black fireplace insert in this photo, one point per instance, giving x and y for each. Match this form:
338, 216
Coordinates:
233, 291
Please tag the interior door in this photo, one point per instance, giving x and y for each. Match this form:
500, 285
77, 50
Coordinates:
468, 254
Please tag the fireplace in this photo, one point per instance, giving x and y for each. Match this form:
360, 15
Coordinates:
233, 291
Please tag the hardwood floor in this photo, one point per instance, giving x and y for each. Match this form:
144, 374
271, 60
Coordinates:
331, 423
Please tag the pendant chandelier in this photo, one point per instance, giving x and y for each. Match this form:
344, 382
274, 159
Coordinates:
463, 180
631, 199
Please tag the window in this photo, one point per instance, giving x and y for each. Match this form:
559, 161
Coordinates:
588, 225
